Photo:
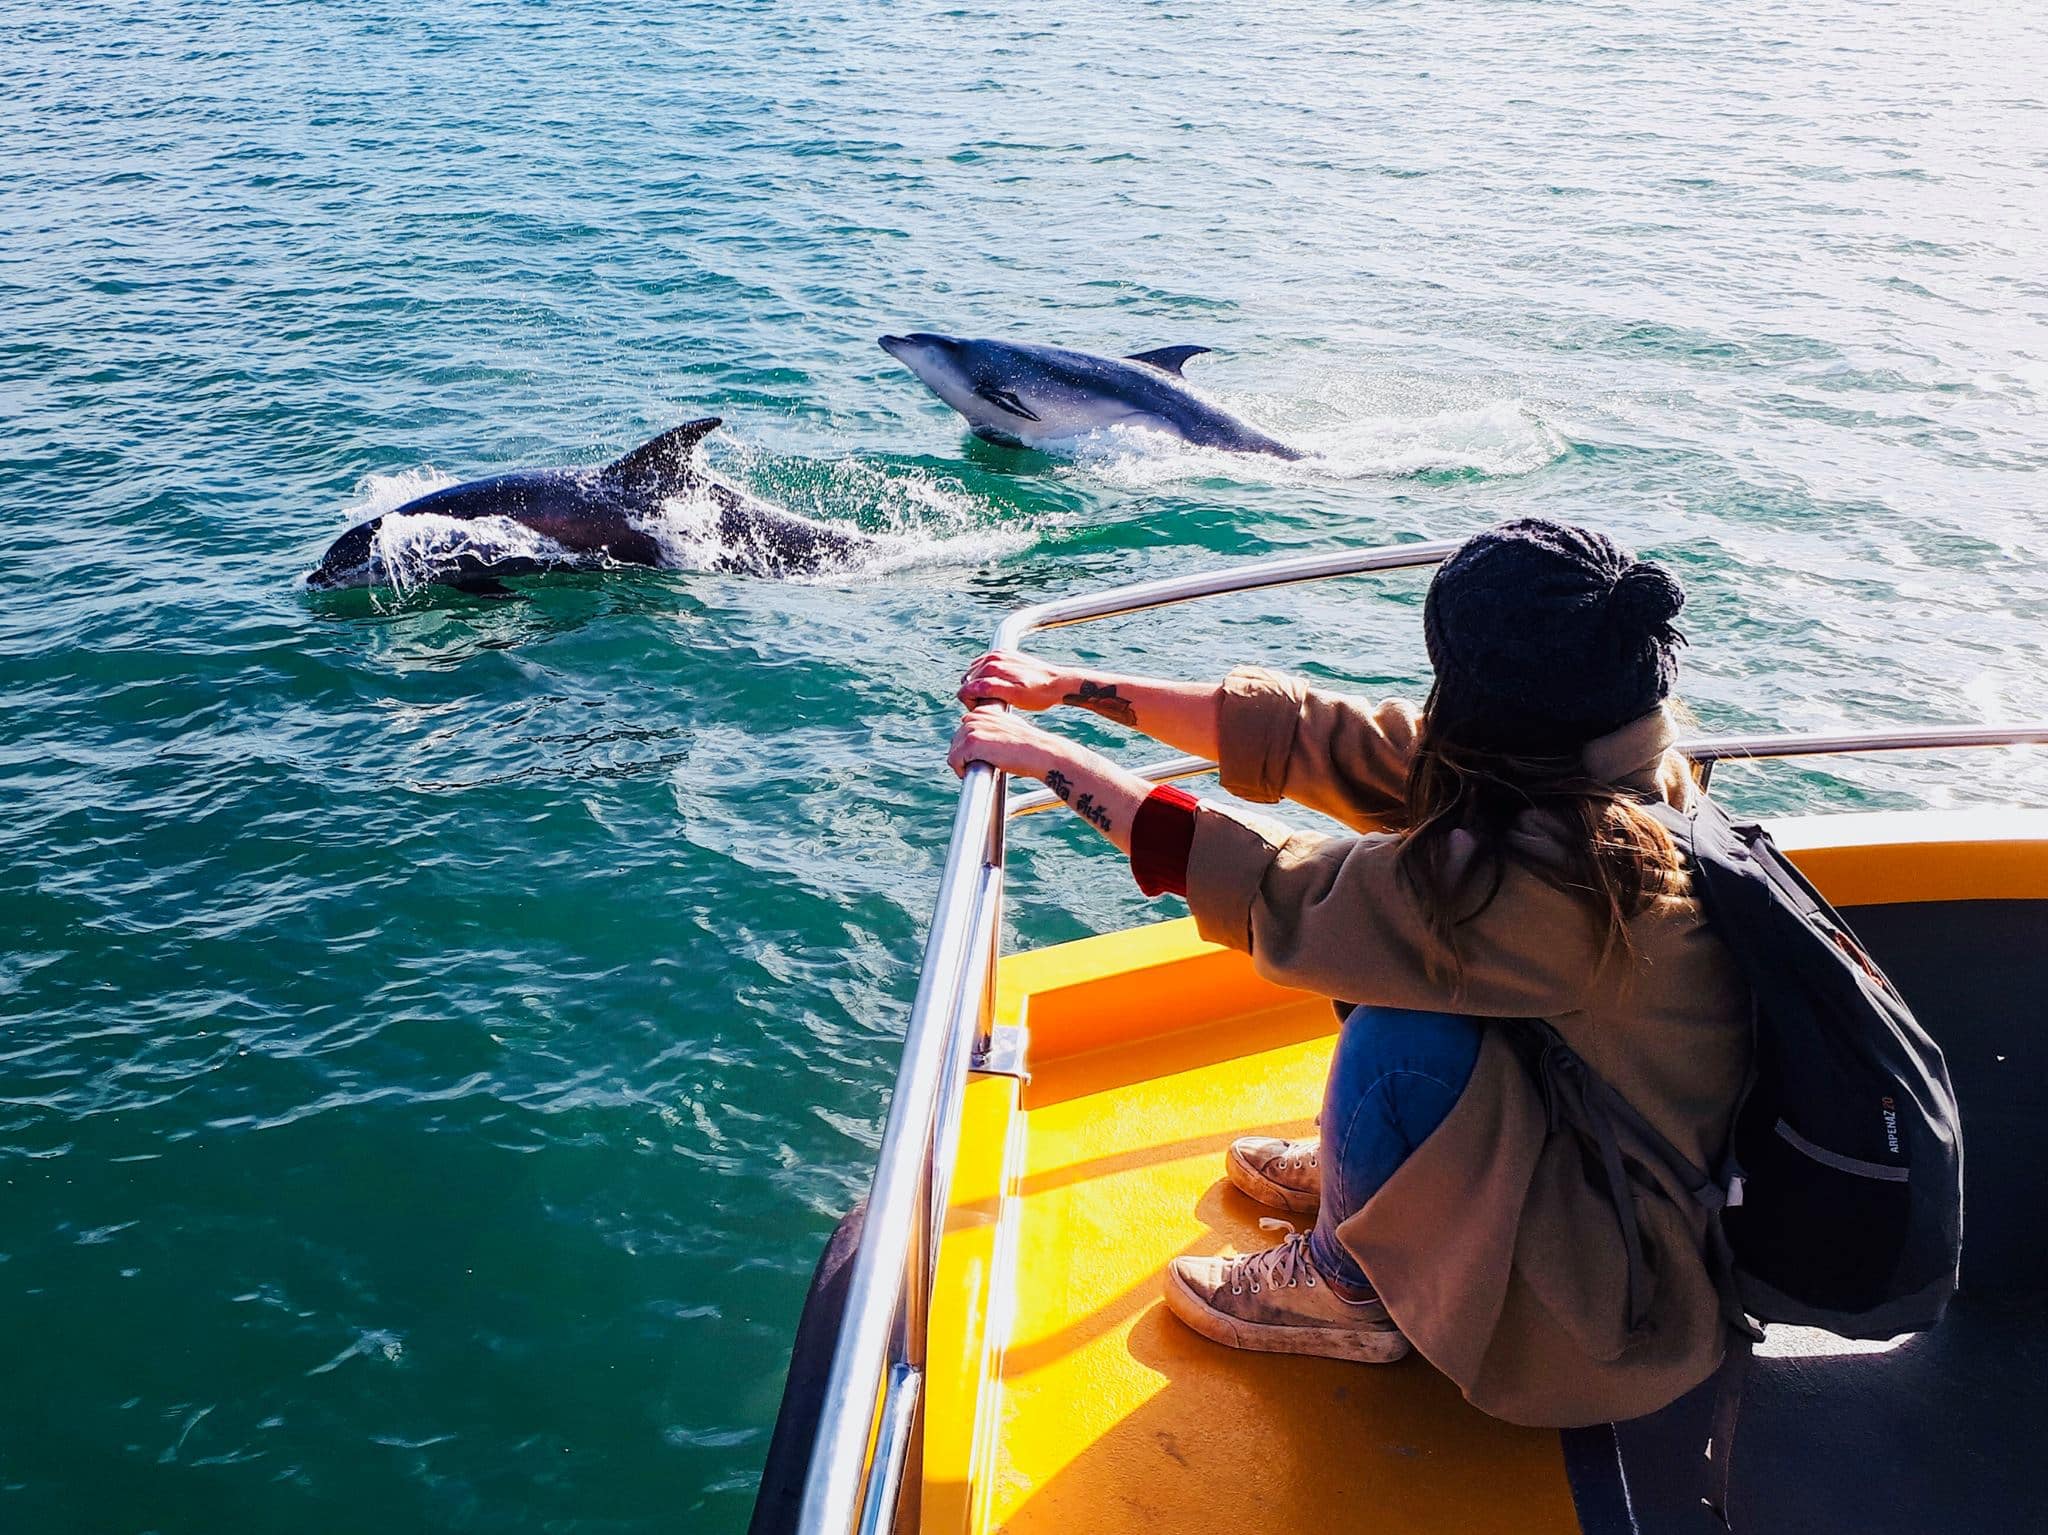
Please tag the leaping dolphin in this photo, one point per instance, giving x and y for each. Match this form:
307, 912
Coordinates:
590, 517
1025, 395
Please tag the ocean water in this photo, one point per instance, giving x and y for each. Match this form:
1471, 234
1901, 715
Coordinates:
436, 1034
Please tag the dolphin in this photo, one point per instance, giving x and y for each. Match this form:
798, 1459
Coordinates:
1025, 395
592, 517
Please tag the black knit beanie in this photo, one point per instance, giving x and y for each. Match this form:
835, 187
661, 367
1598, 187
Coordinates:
1545, 636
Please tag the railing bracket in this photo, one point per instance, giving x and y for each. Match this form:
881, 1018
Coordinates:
1005, 1053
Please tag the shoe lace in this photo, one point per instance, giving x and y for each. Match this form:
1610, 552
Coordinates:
1289, 1264
1297, 1160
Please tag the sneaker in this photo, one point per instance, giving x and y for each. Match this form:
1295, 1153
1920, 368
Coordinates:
1275, 1302
1282, 1174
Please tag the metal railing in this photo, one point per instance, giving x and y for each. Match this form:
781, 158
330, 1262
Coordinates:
1705, 751
868, 1427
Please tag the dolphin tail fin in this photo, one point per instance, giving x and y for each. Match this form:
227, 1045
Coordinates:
654, 463
1168, 359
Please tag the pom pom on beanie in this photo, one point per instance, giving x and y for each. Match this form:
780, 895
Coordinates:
1545, 636
1646, 599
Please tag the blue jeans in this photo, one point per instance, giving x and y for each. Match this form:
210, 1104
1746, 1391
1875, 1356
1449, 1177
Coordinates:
1393, 1079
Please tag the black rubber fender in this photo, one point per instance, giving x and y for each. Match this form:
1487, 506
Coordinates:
781, 1496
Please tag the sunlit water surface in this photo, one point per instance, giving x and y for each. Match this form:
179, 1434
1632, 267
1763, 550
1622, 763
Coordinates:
436, 1034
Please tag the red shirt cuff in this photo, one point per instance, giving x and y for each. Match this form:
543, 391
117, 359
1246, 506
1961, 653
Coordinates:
1162, 836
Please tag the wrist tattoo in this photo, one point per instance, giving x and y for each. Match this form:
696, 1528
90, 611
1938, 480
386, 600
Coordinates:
1104, 701
1084, 807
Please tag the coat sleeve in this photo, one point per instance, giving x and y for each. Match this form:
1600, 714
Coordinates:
1332, 915
1279, 738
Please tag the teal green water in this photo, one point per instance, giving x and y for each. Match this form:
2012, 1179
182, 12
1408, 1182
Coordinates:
436, 1036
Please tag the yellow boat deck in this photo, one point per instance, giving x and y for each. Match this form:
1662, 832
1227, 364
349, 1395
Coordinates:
1096, 1410
1060, 1395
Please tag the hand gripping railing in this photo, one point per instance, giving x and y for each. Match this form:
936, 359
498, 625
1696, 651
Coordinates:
868, 1425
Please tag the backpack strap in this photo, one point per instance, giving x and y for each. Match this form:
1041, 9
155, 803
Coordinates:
1573, 1090
1684, 828
1731, 1380
1729, 1383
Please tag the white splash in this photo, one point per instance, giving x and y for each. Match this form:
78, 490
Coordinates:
686, 529
915, 518
1504, 437
412, 550
908, 516
381, 493
1498, 438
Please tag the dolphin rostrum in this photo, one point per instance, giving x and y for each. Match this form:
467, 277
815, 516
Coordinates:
569, 519
1025, 395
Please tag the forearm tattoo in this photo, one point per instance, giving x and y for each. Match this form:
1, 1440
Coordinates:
1104, 701
1084, 807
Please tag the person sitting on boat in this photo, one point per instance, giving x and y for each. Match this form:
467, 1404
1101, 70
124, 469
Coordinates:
1505, 872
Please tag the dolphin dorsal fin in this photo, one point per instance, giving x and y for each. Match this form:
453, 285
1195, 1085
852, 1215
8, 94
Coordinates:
658, 460
1167, 359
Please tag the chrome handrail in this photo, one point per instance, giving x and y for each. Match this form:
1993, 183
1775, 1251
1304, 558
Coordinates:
1121, 600
1165, 771
1709, 750
1705, 751
869, 1419
889, 1280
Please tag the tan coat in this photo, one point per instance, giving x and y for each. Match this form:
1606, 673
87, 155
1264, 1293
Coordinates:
1495, 1246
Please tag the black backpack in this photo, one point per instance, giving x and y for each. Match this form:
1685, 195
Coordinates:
1844, 1181
1839, 1204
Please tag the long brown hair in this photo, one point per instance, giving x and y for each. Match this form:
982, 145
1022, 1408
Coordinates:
1611, 852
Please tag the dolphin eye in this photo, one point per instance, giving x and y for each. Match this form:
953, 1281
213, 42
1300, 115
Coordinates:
1003, 399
